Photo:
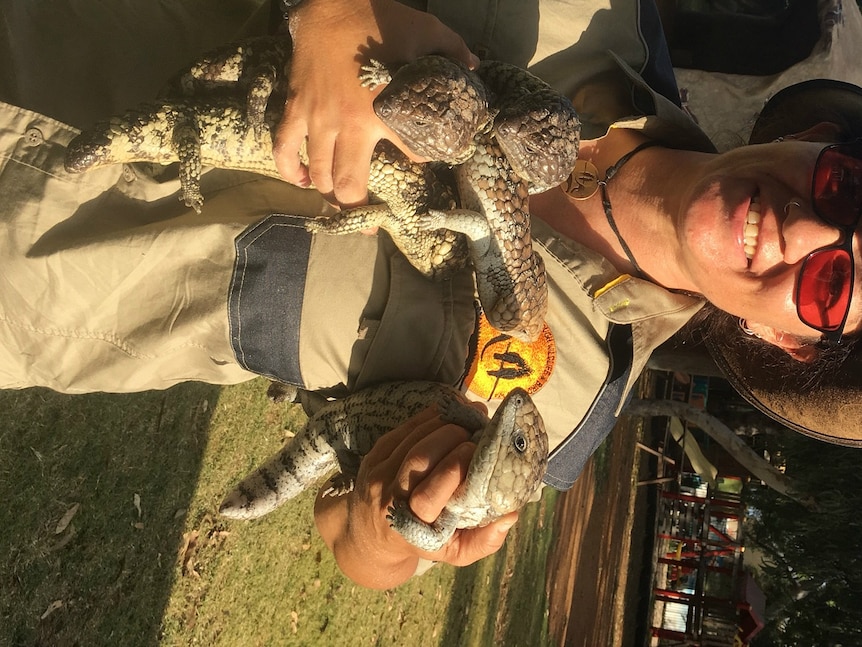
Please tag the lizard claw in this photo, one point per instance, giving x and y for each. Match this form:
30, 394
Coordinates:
374, 75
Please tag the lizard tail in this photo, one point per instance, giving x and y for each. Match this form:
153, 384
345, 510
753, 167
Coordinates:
286, 474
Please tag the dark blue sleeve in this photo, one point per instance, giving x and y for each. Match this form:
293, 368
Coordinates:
658, 69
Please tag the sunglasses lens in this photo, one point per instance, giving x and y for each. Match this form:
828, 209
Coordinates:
823, 294
837, 188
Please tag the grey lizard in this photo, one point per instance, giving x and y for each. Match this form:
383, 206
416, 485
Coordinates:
506, 470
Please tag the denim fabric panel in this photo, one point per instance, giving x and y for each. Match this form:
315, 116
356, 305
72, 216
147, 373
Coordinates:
658, 69
567, 461
266, 296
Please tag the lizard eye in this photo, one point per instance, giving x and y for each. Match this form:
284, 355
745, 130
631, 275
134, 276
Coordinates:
519, 443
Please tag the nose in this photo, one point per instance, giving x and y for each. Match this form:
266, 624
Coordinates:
803, 231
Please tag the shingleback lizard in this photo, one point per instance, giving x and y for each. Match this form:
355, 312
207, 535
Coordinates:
530, 145
506, 470
221, 111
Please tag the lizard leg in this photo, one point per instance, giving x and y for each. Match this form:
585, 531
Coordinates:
470, 223
427, 536
453, 410
187, 144
340, 484
351, 220
345, 480
260, 89
374, 74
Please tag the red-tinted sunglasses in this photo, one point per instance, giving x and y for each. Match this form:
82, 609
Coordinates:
825, 283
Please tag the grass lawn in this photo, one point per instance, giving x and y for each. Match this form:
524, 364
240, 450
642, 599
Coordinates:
108, 536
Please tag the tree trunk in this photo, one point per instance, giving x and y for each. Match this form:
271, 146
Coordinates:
724, 436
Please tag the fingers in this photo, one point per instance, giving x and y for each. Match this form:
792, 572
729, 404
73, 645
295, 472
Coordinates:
288, 141
427, 460
424, 460
337, 157
436, 479
350, 164
329, 108
387, 444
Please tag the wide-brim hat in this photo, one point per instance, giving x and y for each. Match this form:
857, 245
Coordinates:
828, 405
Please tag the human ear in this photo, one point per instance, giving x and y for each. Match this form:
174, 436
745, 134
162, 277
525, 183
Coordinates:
824, 131
790, 344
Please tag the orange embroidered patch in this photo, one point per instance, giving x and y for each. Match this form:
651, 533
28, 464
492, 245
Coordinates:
502, 363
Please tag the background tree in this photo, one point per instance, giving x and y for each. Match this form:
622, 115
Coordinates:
812, 571
811, 541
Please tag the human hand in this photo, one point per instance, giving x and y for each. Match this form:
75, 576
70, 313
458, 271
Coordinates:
327, 104
423, 460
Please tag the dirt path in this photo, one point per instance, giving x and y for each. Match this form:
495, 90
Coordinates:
587, 589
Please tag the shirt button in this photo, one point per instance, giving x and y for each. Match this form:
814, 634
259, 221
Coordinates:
129, 173
33, 137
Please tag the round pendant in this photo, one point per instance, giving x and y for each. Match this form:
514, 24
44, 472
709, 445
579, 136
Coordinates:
583, 182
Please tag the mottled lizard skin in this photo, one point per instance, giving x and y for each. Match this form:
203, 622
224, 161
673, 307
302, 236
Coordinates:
528, 144
505, 132
505, 472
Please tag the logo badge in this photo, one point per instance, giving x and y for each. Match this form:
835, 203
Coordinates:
501, 362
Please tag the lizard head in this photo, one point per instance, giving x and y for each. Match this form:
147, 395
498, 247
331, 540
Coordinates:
437, 107
540, 138
512, 453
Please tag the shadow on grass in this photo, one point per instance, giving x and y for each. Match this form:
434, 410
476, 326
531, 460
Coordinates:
130, 464
472, 612
500, 601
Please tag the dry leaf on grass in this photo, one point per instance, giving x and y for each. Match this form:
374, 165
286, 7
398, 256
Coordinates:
66, 518
216, 539
66, 538
56, 604
188, 551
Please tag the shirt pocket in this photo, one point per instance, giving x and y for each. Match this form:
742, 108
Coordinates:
424, 331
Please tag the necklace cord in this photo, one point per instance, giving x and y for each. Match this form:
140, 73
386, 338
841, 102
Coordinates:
606, 202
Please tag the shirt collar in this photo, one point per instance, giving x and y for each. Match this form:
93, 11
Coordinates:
654, 312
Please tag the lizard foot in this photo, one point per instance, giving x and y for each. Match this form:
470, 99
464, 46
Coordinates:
374, 74
339, 484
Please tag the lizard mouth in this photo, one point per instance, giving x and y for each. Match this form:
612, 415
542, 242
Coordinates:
751, 230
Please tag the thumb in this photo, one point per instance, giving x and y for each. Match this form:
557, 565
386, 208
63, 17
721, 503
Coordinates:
460, 52
444, 41
476, 543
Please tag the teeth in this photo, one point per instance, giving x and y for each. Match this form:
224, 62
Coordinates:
752, 228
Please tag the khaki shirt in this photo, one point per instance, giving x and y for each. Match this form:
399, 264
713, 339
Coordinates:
109, 284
